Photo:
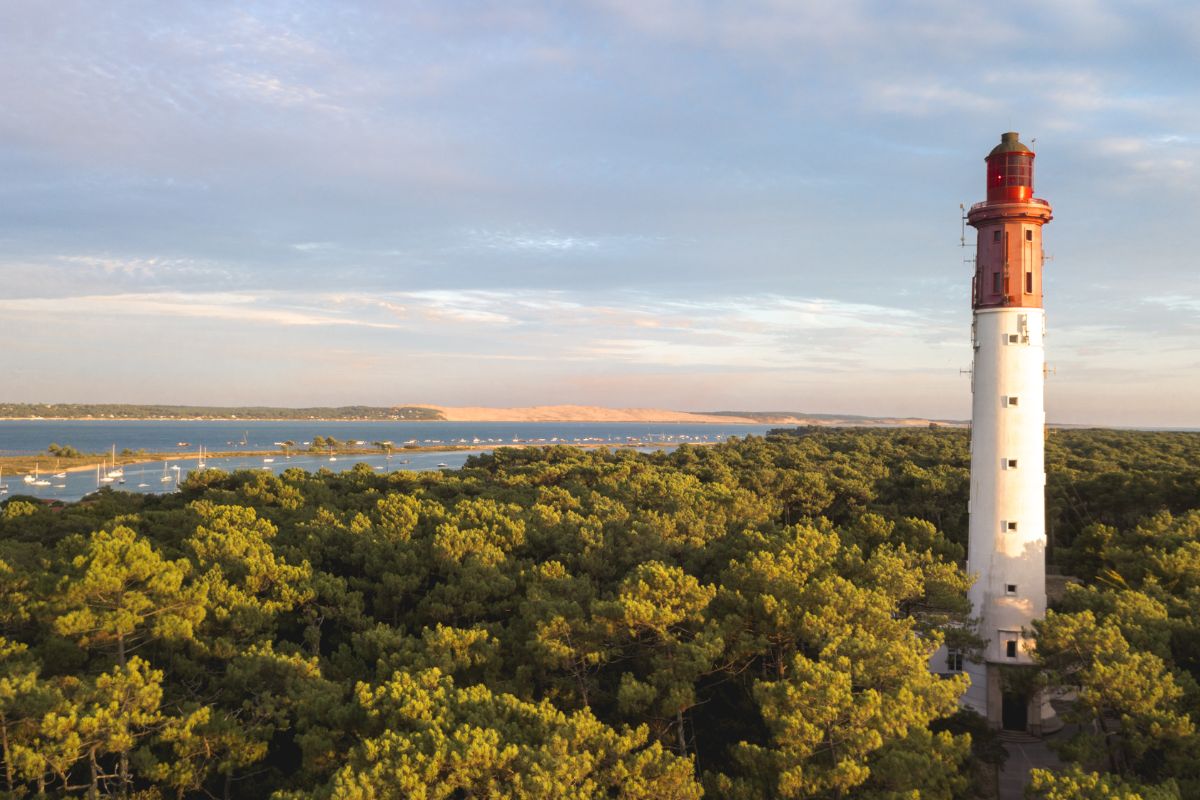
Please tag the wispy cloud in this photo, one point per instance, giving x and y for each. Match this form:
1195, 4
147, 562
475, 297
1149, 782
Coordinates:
275, 90
760, 331
1175, 302
136, 267
245, 308
1165, 160
549, 242
924, 97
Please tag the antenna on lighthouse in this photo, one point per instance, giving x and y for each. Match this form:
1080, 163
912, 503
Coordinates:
962, 212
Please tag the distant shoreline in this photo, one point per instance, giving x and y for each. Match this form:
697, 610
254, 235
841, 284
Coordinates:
19, 465
394, 421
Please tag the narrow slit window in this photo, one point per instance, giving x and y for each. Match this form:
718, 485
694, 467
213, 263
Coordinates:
1028, 283
996, 279
1010, 648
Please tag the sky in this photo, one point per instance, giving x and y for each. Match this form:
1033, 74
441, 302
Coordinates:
701, 205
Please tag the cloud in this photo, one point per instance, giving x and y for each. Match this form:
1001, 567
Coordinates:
1175, 302
1159, 160
924, 97
545, 242
133, 267
274, 90
245, 308
746, 331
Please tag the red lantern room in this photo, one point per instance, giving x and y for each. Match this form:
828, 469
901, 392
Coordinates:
1010, 171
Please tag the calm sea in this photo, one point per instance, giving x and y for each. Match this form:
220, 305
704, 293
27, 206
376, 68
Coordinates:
94, 436
18, 437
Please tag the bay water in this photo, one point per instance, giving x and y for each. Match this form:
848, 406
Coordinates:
185, 437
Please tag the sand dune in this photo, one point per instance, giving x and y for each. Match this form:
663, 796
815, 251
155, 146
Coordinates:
570, 413
575, 413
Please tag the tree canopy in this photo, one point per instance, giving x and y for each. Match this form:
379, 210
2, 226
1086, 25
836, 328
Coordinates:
747, 620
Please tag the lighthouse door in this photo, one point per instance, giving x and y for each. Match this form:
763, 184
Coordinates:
1014, 715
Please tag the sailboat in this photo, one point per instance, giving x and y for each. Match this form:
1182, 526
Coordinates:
3, 485
34, 480
59, 475
165, 477
200, 462
115, 472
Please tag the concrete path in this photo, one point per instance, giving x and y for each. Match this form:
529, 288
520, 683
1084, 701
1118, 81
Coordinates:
1024, 756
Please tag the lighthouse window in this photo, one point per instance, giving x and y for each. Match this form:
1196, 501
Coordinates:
1029, 235
995, 283
1014, 338
995, 236
1009, 401
1008, 526
1017, 170
1028, 283
1010, 463
1010, 589
1010, 648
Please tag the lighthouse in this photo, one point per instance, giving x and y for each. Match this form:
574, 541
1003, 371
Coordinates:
1007, 534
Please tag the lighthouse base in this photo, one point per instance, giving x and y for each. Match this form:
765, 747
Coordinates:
1008, 697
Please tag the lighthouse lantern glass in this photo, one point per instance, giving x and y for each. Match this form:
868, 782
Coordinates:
1010, 177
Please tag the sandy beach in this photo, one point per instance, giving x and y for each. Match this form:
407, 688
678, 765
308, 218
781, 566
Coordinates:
573, 413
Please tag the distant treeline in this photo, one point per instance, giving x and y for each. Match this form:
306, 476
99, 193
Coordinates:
774, 416
124, 411
789, 417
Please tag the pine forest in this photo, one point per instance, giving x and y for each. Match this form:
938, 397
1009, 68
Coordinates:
749, 620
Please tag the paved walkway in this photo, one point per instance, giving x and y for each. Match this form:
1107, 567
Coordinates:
1023, 757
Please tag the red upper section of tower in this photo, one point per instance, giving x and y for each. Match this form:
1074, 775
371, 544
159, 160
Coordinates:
1010, 171
1008, 253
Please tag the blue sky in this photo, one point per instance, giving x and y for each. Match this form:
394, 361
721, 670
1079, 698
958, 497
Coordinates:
695, 205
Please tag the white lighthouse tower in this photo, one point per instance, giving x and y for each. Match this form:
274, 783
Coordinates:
1007, 542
